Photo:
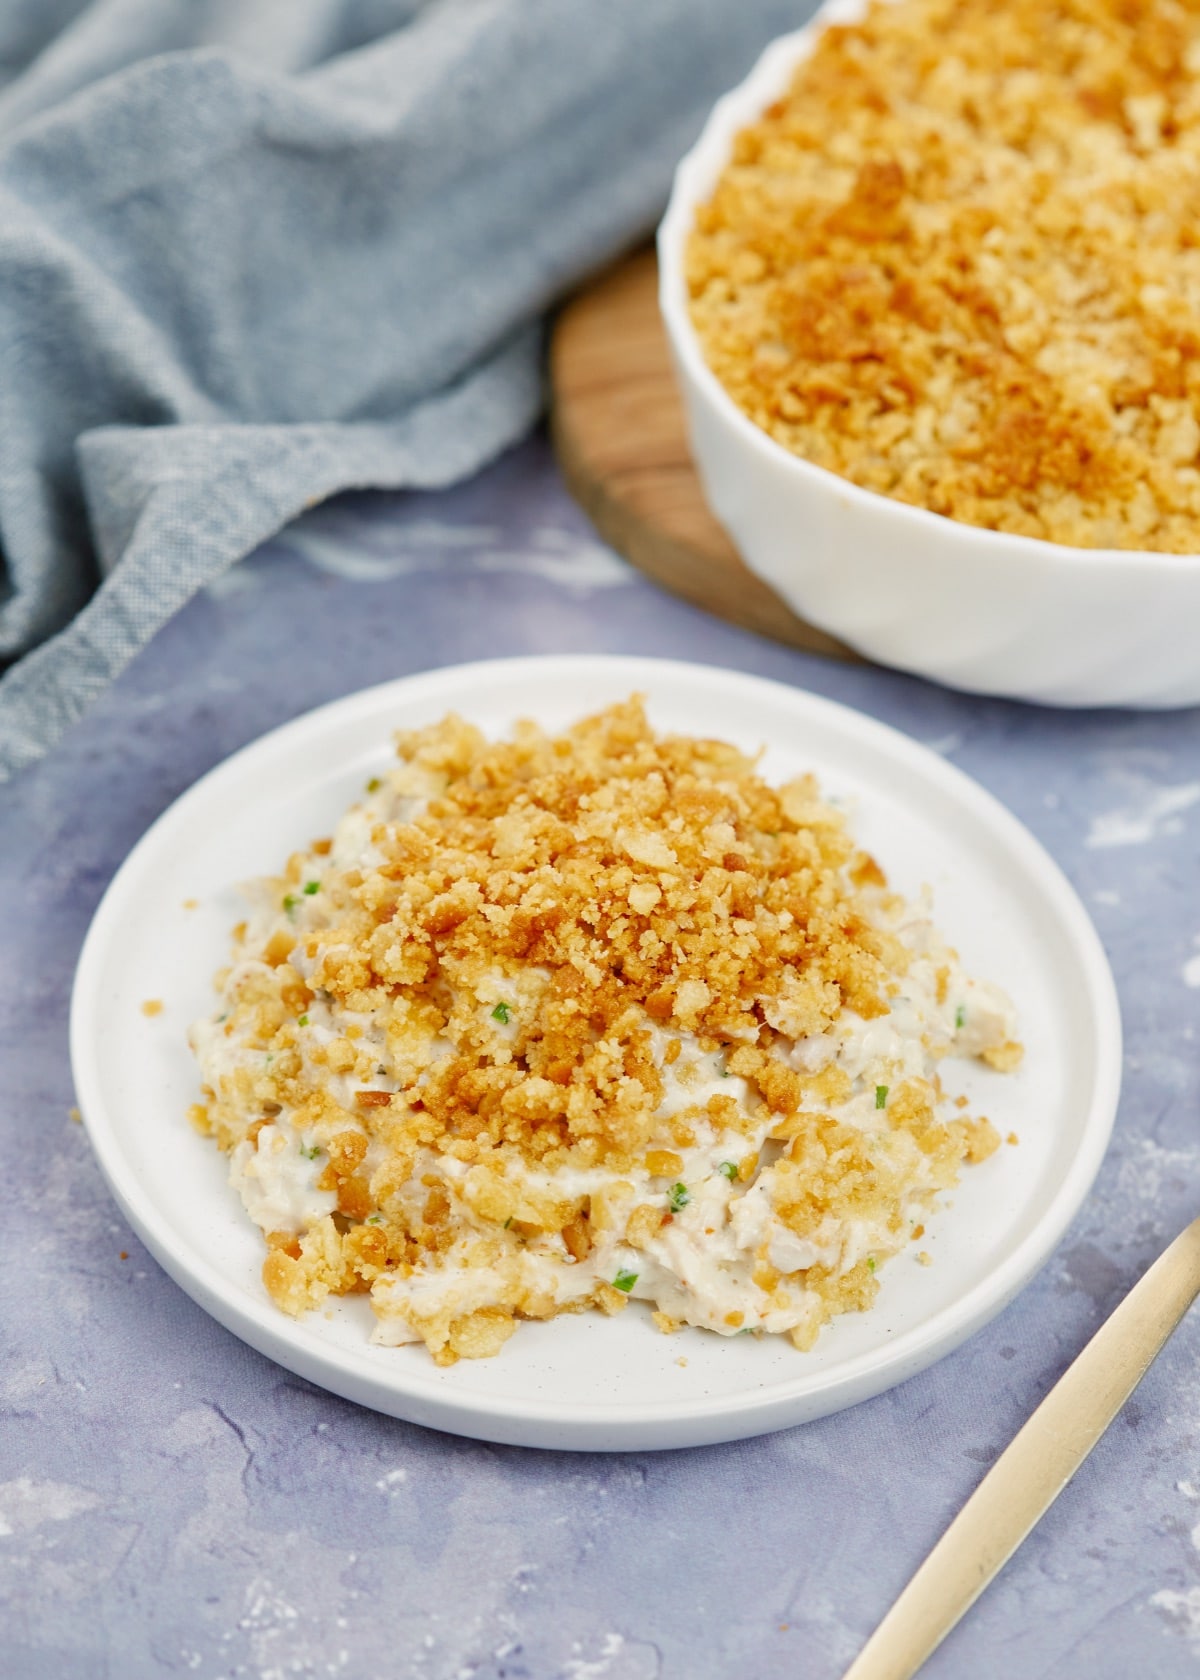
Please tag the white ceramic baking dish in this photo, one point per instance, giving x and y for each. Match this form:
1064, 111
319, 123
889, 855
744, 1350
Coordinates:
979, 610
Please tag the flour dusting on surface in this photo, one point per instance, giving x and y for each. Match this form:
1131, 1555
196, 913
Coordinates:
945, 744
570, 559
618, 1659
1151, 812
1145, 1176
234, 580
1182, 1610
26, 1504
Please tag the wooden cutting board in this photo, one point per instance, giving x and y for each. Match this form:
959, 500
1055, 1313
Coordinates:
619, 430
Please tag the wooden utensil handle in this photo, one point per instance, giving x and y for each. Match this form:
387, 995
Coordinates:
1031, 1473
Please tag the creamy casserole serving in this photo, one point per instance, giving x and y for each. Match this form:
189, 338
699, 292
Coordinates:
557, 1022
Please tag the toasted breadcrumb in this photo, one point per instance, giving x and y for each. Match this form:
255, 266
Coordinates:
958, 263
530, 1025
152, 1006
1005, 1058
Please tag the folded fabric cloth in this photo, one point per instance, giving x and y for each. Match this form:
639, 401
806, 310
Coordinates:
253, 252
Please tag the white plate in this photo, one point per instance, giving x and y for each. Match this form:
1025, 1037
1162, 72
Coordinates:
586, 1381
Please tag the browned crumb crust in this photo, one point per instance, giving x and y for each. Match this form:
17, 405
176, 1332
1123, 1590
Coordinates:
958, 263
645, 880
649, 877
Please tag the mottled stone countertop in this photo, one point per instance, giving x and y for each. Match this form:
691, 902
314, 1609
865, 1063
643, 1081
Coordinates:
171, 1502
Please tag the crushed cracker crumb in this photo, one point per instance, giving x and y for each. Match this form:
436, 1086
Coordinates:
957, 264
465, 1061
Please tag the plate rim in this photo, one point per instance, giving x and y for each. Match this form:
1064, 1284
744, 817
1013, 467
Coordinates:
644, 1425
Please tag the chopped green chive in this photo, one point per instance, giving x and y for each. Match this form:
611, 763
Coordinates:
624, 1281
508, 1222
678, 1197
960, 1017
310, 1154
302, 1021
881, 1092
374, 785
310, 887
375, 1219
871, 1263
730, 1169
502, 1013
290, 902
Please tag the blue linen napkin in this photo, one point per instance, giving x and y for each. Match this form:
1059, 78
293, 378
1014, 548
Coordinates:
254, 252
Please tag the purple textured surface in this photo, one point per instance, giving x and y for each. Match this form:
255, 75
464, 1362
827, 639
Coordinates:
171, 1502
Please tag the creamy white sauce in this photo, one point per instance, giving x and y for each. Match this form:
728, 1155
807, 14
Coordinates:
277, 1181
